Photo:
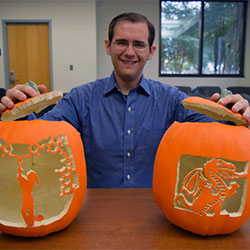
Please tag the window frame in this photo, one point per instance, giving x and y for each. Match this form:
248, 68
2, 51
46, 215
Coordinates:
200, 59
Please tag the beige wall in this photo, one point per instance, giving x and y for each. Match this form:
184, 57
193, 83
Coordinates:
73, 36
79, 28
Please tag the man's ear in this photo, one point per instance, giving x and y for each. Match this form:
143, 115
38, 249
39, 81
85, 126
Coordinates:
107, 47
151, 52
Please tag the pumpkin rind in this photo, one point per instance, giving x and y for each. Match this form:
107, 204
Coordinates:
213, 110
211, 142
53, 153
34, 104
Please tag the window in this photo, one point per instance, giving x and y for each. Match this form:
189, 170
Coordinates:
202, 38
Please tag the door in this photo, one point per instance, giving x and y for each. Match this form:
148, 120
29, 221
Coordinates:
28, 54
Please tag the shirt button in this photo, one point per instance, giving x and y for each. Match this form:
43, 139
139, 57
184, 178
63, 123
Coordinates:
129, 109
128, 177
128, 154
129, 131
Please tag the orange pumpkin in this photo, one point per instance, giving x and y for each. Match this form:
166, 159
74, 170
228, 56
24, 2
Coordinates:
43, 176
201, 176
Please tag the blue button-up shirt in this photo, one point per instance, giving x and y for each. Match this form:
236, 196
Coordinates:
121, 133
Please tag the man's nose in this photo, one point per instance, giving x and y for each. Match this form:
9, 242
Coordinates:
130, 49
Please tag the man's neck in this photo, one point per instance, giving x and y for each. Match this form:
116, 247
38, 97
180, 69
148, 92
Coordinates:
125, 88
126, 85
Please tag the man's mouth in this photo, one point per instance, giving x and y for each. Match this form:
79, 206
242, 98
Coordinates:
129, 62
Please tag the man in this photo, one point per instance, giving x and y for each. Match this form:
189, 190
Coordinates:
122, 118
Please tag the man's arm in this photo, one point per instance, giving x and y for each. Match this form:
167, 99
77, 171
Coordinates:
22, 92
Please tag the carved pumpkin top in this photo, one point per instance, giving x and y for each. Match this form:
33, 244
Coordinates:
213, 110
34, 104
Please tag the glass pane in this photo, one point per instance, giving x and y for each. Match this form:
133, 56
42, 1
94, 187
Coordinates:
180, 37
223, 27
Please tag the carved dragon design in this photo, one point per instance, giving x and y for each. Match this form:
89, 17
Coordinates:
203, 190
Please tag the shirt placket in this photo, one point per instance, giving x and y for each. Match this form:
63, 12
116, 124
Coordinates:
129, 140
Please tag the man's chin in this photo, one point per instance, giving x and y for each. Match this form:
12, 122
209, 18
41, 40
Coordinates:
129, 71
128, 76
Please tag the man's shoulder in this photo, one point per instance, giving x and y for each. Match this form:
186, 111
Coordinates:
94, 84
164, 92
157, 86
97, 85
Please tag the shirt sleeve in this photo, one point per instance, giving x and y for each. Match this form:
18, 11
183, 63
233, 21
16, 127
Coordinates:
67, 109
187, 115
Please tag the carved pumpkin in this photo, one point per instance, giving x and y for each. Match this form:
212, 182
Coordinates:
201, 175
43, 176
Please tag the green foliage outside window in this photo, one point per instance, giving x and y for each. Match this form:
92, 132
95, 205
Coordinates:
202, 38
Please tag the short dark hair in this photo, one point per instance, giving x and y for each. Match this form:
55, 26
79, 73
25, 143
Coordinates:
133, 18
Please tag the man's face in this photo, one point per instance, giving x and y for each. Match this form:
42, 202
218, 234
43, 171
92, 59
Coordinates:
129, 61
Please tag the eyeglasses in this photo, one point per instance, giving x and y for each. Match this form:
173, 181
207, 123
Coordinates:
124, 44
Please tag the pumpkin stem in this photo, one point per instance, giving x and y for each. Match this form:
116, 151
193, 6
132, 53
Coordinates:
33, 85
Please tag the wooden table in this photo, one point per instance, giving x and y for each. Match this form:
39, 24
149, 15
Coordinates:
125, 219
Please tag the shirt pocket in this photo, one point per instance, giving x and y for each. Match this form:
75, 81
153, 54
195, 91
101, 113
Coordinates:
151, 139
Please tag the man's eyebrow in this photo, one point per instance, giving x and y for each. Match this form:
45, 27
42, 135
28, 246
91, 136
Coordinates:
125, 40
138, 41
121, 40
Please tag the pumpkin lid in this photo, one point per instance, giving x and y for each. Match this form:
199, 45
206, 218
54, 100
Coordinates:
34, 104
213, 110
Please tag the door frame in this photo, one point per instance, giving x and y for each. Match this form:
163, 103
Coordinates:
5, 22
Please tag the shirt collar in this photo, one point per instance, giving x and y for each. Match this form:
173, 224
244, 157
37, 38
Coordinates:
144, 85
111, 84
